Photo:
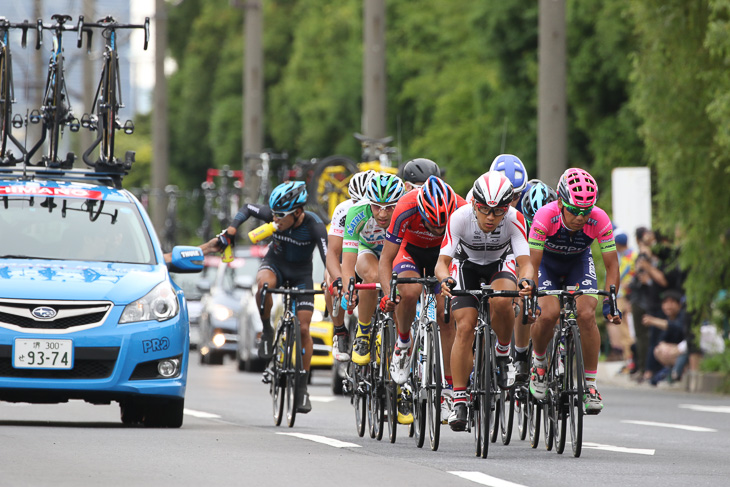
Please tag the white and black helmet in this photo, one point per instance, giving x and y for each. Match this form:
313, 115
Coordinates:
358, 186
418, 170
493, 189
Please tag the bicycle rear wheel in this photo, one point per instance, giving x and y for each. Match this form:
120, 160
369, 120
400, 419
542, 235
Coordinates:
293, 370
518, 400
376, 391
575, 377
391, 388
434, 386
328, 186
108, 110
277, 385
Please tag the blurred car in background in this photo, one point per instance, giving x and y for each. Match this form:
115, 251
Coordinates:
250, 327
222, 304
194, 286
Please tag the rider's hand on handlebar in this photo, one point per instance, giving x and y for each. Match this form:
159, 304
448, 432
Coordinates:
347, 303
446, 286
335, 288
387, 305
607, 312
527, 287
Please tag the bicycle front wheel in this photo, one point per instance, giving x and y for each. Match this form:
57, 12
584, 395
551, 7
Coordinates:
293, 370
533, 420
391, 388
359, 396
108, 110
518, 400
277, 386
434, 381
5, 100
419, 380
575, 376
376, 391
482, 380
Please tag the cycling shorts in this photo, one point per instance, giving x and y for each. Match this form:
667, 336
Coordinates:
413, 258
298, 277
555, 273
469, 275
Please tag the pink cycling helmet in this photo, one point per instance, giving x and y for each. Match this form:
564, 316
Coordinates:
578, 188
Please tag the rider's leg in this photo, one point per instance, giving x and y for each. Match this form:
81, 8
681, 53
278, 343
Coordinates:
405, 312
305, 318
265, 276
448, 335
590, 337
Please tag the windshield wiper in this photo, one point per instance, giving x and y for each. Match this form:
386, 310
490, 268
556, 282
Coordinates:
18, 256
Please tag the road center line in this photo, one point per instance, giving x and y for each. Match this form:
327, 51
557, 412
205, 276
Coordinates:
200, 414
322, 439
322, 398
706, 409
484, 479
685, 427
620, 449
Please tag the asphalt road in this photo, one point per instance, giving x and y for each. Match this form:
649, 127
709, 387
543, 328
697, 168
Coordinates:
644, 437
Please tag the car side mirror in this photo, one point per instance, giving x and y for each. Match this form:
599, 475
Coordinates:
186, 259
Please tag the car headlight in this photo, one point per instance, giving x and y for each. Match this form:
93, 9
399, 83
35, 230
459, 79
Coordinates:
159, 304
221, 312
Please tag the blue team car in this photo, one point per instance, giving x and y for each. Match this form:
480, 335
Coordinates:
87, 307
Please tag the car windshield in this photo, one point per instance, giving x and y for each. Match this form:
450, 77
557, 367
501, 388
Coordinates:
73, 229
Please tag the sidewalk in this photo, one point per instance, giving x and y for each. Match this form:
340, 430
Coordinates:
692, 382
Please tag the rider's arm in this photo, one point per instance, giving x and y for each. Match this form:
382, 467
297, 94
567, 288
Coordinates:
262, 212
385, 266
320, 234
442, 271
334, 253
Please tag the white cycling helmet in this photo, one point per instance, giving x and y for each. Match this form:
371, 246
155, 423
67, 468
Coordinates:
359, 183
493, 189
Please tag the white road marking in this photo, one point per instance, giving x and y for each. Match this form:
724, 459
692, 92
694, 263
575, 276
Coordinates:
484, 479
706, 409
200, 414
685, 427
322, 439
322, 398
619, 449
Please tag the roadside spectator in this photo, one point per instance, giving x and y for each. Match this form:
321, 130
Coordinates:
673, 334
620, 336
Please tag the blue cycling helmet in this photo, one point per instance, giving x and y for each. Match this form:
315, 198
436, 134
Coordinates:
540, 194
385, 189
288, 196
512, 167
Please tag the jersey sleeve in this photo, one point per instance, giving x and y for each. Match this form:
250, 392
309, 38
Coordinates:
539, 229
337, 225
402, 215
261, 212
356, 218
451, 236
518, 234
319, 231
604, 230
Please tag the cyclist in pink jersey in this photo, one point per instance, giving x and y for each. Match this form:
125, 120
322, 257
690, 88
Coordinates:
560, 241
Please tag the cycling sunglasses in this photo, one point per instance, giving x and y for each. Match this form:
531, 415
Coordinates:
497, 210
574, 210
376, 208
283, 214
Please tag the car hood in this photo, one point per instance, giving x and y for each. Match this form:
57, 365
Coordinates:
120, 283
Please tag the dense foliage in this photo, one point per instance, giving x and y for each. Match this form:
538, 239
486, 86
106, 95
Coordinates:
647, 84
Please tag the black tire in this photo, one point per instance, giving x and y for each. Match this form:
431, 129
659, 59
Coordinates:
391, 388
215, 358
575, 373
320, 191
164, 413
294, 370
533, 420
131, 412
558, 404
360, 398
337, 377
54, 130
5, 103
254, 364
518, 399
419, 381
547, 420
278, 377
506, 419
496, 404
376, 395
483, 393
434, 375
108, 110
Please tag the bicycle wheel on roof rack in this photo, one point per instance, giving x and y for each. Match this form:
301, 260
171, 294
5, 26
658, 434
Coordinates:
328, 186
4, 100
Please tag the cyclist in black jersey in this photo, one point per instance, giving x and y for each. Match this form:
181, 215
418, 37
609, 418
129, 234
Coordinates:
289, 258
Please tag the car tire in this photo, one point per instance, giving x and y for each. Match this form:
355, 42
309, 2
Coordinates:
241, 364
164, 413
131, 412
215, 358
337, 376
255, 365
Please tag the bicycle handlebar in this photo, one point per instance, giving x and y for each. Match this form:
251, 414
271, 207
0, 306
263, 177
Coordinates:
485, 292
58, 27
5, 24
284, 290
571, 291
108, 22
372, 286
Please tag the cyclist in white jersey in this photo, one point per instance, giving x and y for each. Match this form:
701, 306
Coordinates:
357, 189
479, 245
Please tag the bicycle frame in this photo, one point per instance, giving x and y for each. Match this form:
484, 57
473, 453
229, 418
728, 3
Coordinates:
7, 93
108, 98
55, 112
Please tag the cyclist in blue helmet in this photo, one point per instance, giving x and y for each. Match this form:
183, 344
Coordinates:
511, 166
538, 195
289, 258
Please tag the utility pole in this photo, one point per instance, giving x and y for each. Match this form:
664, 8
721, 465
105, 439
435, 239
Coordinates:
160, 163
552, 132
253, 97
374, 75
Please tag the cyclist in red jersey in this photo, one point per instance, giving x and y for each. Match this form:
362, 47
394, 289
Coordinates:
411, 249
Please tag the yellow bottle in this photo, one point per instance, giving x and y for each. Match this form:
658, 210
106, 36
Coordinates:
228, 254
262, 232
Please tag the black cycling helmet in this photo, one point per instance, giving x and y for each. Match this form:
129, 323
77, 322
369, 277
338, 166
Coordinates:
418, 170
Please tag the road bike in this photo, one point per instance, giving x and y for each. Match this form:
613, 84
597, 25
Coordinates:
285, 370
562, 406
485, 397
331, 176
104, 117
7, 93
266, 156
55, 112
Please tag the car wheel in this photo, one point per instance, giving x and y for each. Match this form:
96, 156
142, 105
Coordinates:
255, 365
337, 377
204, 359
131, 412
164, 413
215, 358
241, 364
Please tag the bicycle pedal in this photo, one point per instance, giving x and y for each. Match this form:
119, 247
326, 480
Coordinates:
266, 377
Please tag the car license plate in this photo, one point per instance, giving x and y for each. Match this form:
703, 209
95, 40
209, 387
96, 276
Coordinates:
42, 353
